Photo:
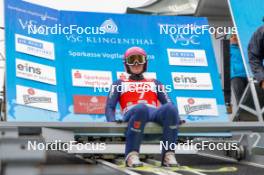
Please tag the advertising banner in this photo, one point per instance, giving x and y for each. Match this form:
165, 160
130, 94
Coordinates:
247, 23
61, 64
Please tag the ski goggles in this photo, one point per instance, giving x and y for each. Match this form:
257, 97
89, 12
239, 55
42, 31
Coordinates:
132, 60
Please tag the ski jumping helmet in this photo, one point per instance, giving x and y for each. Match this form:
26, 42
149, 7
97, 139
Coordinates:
134, 51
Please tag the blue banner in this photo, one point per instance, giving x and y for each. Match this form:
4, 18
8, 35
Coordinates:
247, 17
61, 63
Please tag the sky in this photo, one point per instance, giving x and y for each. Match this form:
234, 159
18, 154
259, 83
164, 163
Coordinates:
117, 6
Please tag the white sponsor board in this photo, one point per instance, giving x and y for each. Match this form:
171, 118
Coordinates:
34, 71
91, 78
34, 47
148, 75
197, 106
192, 81
184, 57
36, 98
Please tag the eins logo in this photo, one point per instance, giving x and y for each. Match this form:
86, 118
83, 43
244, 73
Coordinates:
184, 79
192, 81
30, 69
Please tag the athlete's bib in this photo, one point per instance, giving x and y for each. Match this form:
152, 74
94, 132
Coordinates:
136, 92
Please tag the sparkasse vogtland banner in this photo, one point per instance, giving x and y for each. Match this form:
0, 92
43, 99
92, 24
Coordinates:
61, 64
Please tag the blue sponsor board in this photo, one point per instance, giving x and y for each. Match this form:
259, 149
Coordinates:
248, 16
90, 53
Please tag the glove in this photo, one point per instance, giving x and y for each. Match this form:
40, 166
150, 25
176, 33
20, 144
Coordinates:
119, 121
182, 122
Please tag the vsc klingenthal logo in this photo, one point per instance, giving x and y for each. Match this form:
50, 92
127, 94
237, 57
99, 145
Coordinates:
110, 26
